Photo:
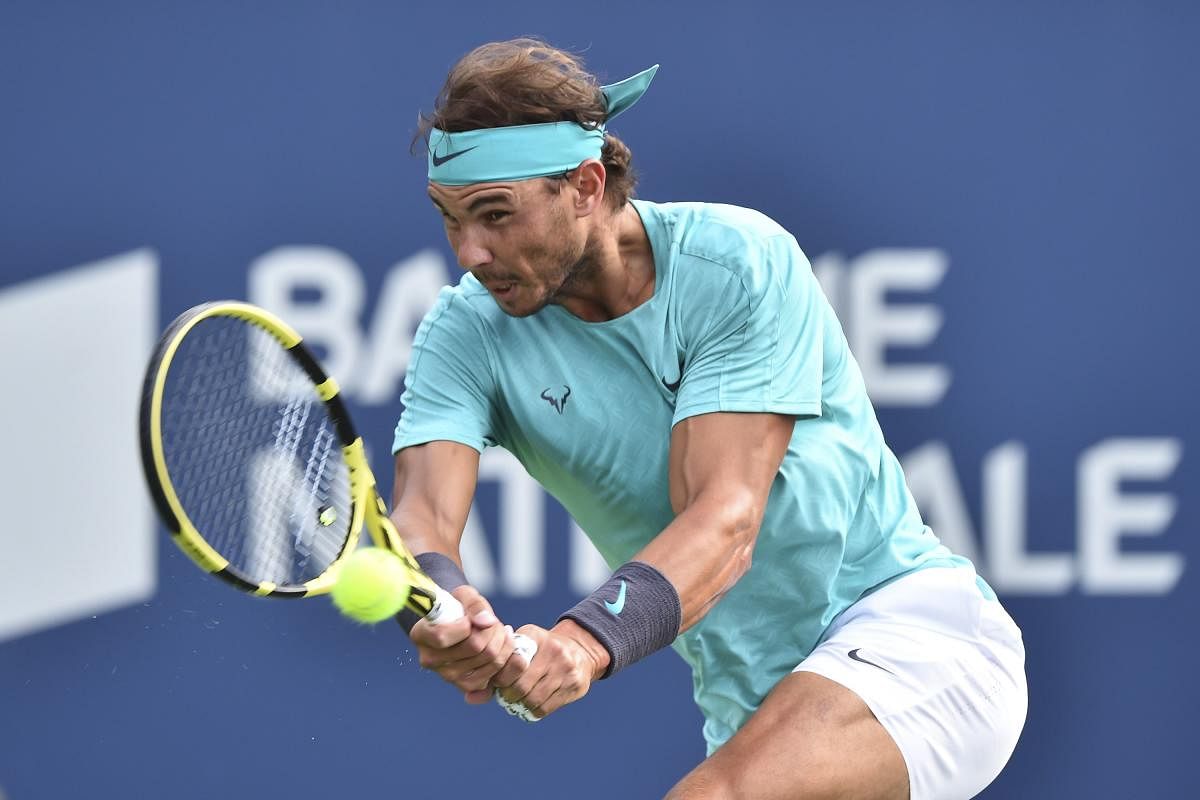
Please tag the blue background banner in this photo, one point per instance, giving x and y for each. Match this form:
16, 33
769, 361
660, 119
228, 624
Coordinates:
998, 200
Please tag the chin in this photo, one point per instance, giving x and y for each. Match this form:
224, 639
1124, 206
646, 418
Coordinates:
523, 311
516, 307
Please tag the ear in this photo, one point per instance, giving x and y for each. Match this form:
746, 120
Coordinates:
588, 181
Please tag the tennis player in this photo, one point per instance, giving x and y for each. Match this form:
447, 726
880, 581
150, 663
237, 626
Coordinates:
673, 375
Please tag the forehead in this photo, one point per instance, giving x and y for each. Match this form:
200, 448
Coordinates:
477, 194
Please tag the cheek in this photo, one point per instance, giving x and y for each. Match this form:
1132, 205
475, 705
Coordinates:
548, 257
555, 242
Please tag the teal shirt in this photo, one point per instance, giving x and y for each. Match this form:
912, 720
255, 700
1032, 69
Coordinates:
737, 322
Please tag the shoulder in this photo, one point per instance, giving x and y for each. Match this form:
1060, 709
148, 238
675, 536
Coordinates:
454, 338
713, 230
729, 248
463, 309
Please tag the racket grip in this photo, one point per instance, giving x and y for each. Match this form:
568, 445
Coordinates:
446, 608
528, 648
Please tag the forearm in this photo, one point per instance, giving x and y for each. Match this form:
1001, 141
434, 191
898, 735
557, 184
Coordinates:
431, 496
436, 547
425, 533
645, 605
722, 467
704, 552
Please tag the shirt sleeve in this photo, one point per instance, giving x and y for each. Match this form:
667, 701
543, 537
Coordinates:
761, 349
449, 387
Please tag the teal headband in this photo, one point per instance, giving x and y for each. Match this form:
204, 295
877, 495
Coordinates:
520, 152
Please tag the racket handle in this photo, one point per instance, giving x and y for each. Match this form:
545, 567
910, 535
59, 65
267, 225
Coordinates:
446, 608
528, 648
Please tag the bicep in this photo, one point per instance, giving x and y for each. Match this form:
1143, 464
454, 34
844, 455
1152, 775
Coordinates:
432, 493
727, 457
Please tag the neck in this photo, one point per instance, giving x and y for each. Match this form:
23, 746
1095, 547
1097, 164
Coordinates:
616, 273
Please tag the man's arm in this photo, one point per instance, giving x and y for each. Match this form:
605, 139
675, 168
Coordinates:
721, 469
432, 494
431, 498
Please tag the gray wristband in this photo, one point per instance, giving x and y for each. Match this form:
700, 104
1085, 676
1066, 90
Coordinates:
636, 612
443, 570
445, 573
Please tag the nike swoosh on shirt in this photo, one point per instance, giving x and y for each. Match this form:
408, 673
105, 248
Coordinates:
673, 387
854, 655
439, 160
615, 608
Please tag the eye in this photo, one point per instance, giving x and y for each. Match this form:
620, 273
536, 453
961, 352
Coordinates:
497, 216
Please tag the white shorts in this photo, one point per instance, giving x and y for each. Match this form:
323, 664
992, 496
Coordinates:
942, 668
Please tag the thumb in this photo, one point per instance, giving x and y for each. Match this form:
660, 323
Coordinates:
475, 606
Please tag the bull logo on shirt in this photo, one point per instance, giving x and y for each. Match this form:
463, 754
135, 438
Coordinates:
558, 399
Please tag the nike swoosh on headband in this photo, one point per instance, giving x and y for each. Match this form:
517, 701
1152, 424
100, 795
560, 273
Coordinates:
439, 160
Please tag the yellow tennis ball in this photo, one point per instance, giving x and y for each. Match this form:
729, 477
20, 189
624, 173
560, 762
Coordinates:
372, 585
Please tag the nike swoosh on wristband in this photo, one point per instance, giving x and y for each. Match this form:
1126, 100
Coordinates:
439, 160
615, 608
854, 655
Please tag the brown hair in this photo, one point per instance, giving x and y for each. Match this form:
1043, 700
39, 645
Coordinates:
522, 82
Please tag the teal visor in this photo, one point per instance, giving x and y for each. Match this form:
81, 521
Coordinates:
520, 152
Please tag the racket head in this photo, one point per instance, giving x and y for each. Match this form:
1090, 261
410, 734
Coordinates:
249, 453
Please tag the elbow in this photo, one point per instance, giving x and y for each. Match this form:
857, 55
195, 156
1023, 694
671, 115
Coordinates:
740, 516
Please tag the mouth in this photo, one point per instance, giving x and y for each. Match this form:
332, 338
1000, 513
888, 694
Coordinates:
503, 289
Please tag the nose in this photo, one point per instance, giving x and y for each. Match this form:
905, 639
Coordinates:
471, 252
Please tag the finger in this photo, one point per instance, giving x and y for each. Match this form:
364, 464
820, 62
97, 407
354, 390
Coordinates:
475, 673
476, 608
478, 697
541, 692
442, 635
468, 650
520, 689
555, 701
516, 664
547, 708
484, 618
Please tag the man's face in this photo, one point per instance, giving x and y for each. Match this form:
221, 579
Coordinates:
519, 239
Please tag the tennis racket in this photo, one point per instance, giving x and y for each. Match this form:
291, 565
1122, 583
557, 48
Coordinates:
255, 466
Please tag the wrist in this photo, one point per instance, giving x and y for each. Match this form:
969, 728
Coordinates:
636, 612
444, 572
595, 651
442, 569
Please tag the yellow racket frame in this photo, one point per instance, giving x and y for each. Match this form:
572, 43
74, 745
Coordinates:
367, 507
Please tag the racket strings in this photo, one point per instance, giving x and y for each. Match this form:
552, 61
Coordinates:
253, 455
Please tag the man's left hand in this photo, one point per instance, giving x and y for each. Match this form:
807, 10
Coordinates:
568, 659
